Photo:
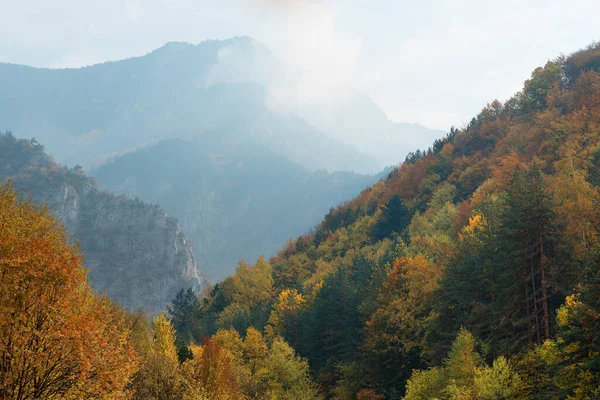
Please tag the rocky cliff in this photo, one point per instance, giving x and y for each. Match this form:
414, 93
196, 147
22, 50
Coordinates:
135, 253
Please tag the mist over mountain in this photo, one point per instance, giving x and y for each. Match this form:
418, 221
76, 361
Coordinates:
84, 115
220, 134
235, 197
180, 90
357, 120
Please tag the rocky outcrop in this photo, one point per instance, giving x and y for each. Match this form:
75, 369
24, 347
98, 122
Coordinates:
135, 253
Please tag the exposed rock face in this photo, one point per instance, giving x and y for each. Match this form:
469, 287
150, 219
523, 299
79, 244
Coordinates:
135, 253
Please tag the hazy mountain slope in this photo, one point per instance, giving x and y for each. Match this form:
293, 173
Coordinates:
135, 252
358, 121
235, 198
84, 114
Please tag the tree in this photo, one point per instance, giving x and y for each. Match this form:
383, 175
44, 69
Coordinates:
267, 370
57, 339
159, 375
247, 296
287, 374
533, 263
332, 325
578, 341
465, 293
537, 87
394, 217
209, 374
465, 376
395, 332
184, 310
286, 316
576, 199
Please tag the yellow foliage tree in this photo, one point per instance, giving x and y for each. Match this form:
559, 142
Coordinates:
285, 315
159, 374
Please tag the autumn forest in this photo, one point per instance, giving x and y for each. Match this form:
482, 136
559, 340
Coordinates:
469, 272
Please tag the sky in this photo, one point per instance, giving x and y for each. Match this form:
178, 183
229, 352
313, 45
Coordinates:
435, 62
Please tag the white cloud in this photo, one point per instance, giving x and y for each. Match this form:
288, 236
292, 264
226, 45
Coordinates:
238, 62
318, 57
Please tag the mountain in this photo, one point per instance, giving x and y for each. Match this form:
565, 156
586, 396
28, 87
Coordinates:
470, 272
84, 115
235, 197
120, 119
358, 121
135, 253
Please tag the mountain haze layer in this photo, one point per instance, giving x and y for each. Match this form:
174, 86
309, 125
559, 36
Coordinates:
357, 120
235, 197
83, 115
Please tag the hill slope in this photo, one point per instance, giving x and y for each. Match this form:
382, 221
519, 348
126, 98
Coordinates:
475, 262
134, 252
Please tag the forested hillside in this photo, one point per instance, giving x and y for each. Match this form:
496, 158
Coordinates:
471, 272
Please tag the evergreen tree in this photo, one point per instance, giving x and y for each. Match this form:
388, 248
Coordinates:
578, 340
531, 266
465, 295
332, 325
394, 217
184, 311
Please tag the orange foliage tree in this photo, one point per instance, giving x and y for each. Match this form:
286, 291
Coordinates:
210, 374
57, 339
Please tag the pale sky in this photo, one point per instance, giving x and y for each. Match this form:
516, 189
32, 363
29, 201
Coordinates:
436, 62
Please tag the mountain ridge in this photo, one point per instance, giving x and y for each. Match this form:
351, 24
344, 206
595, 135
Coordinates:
176, 90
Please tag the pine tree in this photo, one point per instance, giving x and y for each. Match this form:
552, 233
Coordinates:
532, 264
332, 325
394, 217
184, 310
